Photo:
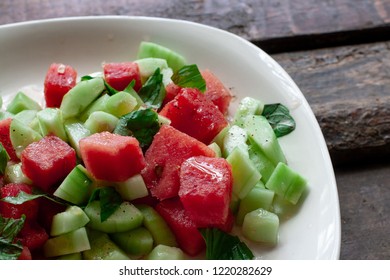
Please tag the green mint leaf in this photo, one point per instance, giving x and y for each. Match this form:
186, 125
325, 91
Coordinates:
9, 229
4, 158
21, 198
86, 78
189, 76
152, 92
110, 200
279, 118
142, 124
109, 89
223, 246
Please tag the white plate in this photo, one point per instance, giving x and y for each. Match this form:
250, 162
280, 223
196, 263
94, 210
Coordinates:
27, 49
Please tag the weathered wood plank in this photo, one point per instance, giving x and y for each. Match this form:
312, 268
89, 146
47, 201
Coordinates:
365, 212
348, 89
255, 20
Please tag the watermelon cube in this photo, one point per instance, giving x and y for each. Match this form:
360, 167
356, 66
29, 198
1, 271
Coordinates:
48, 161
216, 91
32, 236
28, 208
60, 78
169, 149
171, 90
119, 75
6, 140
187, 235
26, 254
112, 157
206, 189
192, 113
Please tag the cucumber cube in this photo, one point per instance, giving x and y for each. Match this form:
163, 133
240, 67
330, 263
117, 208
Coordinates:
121, 103
163, 252
287, 183
100, 121
75, 131
261, 162
69, 243
136, 242
51, 122
248, 106
69, 220
132, 188
235, 137
260, 132
13, 173
245, 175
261, 226
148, 65
102, 248
214, 146
22, 102
22, 135
98, 105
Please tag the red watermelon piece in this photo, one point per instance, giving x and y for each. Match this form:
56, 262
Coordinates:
205, 190
192, 113
6, 140
119, 75
33, 236
216, 91
46, 210
171, 90
187, 235
164, 157
48, 161
112, 157
26, 254
28, 208
60, 78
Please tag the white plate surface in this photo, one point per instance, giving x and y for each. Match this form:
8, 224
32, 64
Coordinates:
27, 49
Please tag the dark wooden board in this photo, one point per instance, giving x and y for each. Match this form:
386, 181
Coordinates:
275, 25
348, 89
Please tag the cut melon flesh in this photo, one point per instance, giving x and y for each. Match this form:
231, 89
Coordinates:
69, 220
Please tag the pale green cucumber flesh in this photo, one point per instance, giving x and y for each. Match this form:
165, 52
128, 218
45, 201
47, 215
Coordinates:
136, 242
26, 116
76, 186
81, 96
217, 150
51, 122
69, 220
76, 131
97, 105
261, 226
262, 163
125, 218
148, 65
163, 252
161, 232
121, 103
245, 175
14, 174
248, 106
132, 188
100, 121
235, 137
68, 243
22, 102
22, 135
102, 248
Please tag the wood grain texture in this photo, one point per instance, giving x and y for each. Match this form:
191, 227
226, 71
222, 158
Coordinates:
348, 89
255, 20
364, 194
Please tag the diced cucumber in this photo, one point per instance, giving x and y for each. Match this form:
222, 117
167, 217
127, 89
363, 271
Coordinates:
136, 242
76, 186
221, 135
248, 106
235, 137
26, 116
214, 146
261, 226
102, 248
260, 131
22, 135
261, 162
149, 49
98, 105
148, 65
81, 96
75, 131
258, 197
22, 102
51, 122
287, 183
6, 115
125, 218
132, 188
14, 174
121, 103
71, 257
245, 175
69, 220
167, 75
100, 121
68, 243
161, 232
163, 252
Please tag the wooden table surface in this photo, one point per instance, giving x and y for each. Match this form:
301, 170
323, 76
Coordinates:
338, 53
